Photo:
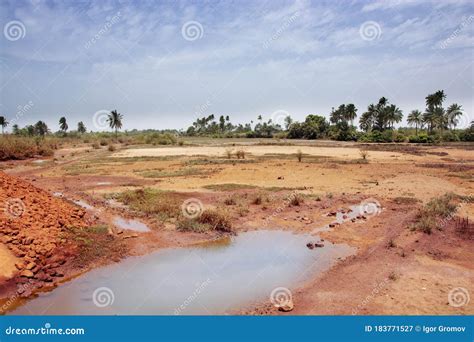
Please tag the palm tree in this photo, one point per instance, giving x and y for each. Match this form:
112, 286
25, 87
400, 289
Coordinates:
115, 121
41, 128
436, 99
63, 124
415, 118
3, 123
452, 114
440, 118
81, 128
350, 113
429, 118
394, 115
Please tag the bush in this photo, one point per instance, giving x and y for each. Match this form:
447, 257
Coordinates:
296, 200
240, 154
299, 155
111, 148
435, 211
12, 147
217, 219
161, 139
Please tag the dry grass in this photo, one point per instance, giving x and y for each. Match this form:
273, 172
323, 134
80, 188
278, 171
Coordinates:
151, 202
12, 148
436, 213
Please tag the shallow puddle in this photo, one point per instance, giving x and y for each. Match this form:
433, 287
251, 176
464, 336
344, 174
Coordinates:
135, 225
208, 279
84, 205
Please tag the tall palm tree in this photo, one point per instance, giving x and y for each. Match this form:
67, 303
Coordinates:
63, 124
435, 99
350, 113
452, 114
115, 121
4, 123
415, 118
81, 128
394, 115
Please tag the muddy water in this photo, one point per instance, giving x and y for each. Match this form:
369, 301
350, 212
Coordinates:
206, 279
134, 225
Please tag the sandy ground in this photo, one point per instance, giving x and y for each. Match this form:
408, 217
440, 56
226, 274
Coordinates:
348, 153
7, 262
414, 277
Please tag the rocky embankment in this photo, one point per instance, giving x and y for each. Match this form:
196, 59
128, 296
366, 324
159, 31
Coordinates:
37, 228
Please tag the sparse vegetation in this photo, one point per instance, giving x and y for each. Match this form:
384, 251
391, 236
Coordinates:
364, 154
151, 201
299, 155
240, 154
434, 213
296, 200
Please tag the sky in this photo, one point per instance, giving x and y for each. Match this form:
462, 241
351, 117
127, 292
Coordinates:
163, 64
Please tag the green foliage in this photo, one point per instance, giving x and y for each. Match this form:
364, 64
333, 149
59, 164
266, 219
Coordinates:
314, 127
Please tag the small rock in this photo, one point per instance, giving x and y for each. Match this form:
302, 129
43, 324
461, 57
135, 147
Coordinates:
318, 244
286, 307
27, 274
310, 245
